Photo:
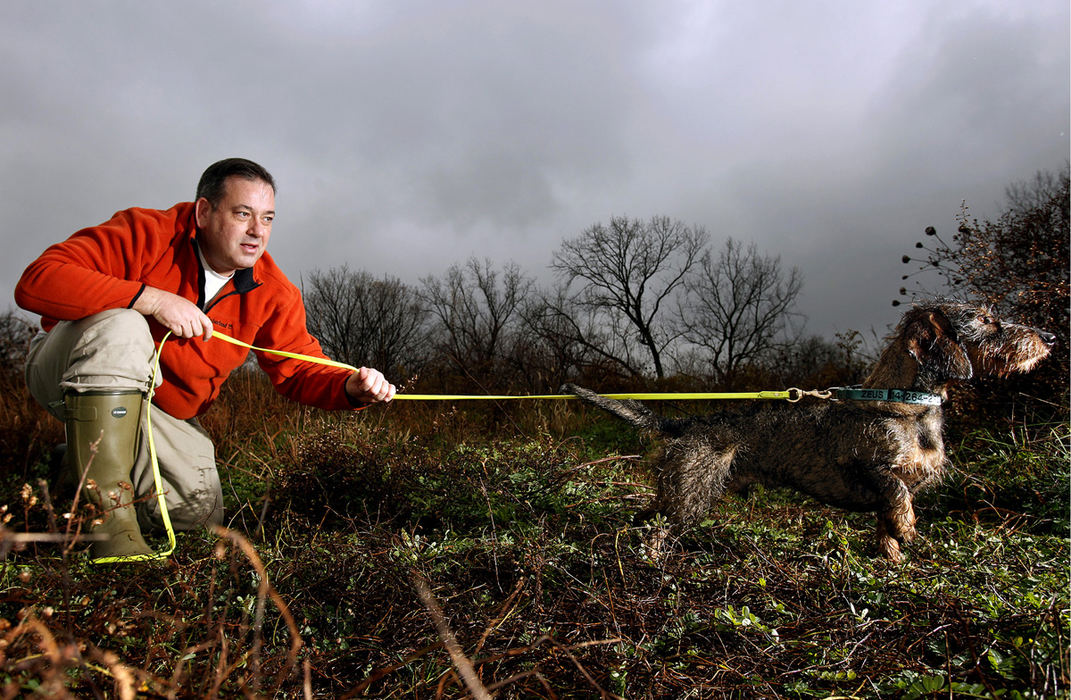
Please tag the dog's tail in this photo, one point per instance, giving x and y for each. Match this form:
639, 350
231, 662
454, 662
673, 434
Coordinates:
628, 410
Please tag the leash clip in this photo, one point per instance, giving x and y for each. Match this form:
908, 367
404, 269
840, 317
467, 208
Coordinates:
794, 394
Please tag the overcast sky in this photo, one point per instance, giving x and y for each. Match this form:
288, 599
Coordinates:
407, 136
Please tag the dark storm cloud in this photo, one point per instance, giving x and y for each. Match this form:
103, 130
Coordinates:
407, 136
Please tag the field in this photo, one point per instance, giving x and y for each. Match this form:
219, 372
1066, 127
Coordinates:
428, 550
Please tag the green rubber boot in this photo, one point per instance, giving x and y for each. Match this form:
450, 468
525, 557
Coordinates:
102, 438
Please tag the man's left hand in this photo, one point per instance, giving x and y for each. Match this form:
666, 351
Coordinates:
368, 385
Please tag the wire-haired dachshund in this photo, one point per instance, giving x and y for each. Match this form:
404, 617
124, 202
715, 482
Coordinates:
869, 451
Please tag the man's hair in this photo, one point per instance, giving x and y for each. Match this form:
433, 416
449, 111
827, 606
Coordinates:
215, 177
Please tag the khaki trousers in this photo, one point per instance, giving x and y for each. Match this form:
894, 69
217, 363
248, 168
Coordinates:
114, 350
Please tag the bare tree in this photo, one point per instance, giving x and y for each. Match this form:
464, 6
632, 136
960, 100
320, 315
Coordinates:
740, 307
366, 321
475, 310
627, 271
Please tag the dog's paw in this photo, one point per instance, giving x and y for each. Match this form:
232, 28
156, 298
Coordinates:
902, 524
654, 544
889, 548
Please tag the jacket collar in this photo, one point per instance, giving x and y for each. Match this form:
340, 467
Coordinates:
244, 280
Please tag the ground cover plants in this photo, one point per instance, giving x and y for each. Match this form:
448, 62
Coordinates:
430, 550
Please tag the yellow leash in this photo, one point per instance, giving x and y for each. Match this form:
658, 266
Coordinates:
788, 395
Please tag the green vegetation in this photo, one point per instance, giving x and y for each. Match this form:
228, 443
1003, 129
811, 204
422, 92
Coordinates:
518, 520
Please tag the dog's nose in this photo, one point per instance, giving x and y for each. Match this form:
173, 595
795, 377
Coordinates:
1047, 338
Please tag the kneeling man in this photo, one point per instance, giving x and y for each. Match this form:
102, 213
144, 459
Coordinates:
109, 293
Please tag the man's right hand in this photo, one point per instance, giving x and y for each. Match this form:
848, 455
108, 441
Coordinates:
180, 316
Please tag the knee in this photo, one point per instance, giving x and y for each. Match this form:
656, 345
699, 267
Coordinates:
112, 349
124, 326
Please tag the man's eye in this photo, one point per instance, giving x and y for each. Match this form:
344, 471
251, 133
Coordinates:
241, 214
268, 219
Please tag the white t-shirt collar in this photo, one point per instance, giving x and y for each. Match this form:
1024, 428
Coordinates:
213, 280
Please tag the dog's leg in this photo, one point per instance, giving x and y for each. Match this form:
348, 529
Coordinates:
692, 476
896, 521
694, 480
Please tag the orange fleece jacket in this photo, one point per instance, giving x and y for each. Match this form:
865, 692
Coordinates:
108, 266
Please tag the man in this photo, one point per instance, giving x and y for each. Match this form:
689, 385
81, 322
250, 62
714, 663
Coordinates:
109, 291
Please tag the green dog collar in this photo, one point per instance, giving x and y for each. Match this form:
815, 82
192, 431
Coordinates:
920, 398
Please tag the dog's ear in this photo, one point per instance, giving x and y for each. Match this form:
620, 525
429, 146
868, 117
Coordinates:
931, 341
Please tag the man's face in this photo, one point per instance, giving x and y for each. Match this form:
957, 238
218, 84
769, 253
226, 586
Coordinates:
234, 233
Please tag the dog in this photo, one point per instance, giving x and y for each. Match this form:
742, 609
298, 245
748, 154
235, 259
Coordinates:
870, 450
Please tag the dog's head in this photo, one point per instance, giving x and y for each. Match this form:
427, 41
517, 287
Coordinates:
953, 340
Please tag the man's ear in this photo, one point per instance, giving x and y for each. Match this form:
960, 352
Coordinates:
201, 210
930, 341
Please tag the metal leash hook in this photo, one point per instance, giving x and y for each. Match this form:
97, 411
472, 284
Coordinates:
794, 394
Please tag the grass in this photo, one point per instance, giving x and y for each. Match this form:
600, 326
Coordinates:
392, 552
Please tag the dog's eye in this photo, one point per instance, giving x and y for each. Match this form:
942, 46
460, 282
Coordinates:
988, 321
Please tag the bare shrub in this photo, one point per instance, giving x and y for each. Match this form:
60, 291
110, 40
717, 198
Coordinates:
1018, 263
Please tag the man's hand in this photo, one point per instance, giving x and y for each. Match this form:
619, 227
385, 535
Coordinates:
180, 316
368, 385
